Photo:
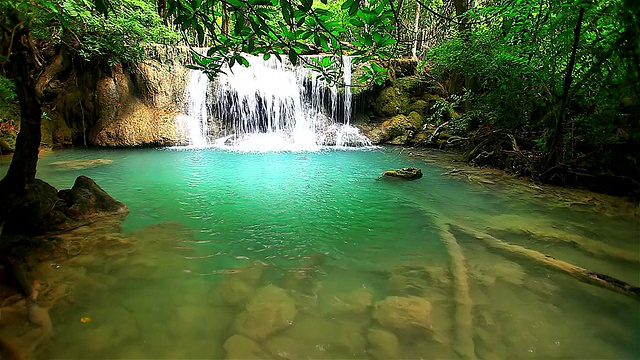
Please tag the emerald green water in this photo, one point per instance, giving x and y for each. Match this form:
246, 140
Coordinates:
208, 228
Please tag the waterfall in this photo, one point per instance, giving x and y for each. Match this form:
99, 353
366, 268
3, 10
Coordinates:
346, 60
196, 120
270, 106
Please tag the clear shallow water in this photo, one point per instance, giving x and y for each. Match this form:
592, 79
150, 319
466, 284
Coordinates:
210, 230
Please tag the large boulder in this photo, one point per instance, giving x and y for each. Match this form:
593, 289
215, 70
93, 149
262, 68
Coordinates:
398, 127
390, 102
271, 310
405, 315
86, 199
43, 208
408, 173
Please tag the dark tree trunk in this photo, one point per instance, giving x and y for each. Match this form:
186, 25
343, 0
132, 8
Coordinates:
225, 19
462, 6
555, 131
23, 165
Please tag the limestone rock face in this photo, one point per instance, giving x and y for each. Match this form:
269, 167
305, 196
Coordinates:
139, 109
269, 311
409, 173
406, 315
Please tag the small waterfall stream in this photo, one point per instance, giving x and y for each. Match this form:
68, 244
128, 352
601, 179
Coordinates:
270, 106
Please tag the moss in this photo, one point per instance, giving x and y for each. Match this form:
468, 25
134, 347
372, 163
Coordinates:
419, 106
412, 85
416, 119
390, 102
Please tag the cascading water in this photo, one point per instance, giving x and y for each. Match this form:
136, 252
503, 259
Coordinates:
271, 106
196, 120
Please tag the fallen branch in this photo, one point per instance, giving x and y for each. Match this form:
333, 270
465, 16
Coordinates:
577, 272
463, 346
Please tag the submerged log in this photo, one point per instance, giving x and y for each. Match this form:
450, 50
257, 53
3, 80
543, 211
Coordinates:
582, 274
464, 345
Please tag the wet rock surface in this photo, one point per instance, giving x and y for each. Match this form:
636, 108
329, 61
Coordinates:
405, 315
269, 311
408, 173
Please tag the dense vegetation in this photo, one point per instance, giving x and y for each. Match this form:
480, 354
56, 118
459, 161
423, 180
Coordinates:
547, 88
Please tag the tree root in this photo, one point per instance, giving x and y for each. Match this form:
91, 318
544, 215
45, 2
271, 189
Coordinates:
577, 272
463, 344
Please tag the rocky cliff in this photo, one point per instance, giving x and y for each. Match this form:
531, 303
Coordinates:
91, 104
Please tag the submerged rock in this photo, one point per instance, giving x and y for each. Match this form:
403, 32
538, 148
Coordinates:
355, 302
407, 315
240, 347
409, 173
269, 311
382, 344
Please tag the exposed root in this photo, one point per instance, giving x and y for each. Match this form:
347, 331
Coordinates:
463, 344
577, 272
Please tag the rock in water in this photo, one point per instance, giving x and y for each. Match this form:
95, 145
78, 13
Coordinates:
406, 315
87, 199
269, 311
409, 173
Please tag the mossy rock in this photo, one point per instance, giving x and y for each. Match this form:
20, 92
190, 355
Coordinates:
399, 128
408, 173
401, 140
419, 106
412, 85
416, 119
420, 137
390, 102
402, 67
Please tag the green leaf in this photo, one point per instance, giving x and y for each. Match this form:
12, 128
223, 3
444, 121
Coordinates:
356, 22
306, 5
347, 4
266, 56
293, 56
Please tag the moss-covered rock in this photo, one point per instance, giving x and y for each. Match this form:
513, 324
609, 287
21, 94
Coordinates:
397, 126
416, 119
420, 106
409, 173
402, 67
390, 102
412, 85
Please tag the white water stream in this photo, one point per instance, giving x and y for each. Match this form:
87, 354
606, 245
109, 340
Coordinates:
270, 106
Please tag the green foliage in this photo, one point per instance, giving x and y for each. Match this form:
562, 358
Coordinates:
119, 37
518, 57
287, 29
8, 101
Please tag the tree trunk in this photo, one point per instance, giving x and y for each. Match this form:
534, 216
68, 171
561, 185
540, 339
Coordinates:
23, 165
225, 19
462, 6
416, 32
555, 131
